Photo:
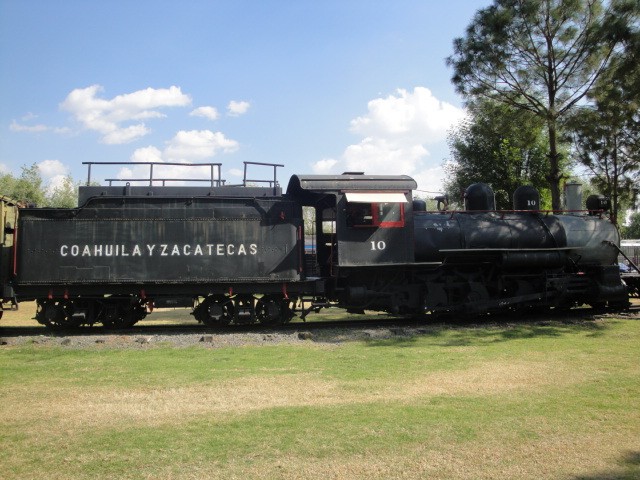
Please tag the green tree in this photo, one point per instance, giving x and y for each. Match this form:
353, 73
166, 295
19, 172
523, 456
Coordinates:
30, 188
606, 134
7, 184
64, 195
27, 188
541, 56
633, 229
498, 145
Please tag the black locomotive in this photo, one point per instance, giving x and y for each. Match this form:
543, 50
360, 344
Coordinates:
237, 254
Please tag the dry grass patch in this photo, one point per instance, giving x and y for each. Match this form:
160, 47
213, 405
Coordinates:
556, 457
85, 408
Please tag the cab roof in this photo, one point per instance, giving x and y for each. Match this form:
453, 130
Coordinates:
309, 186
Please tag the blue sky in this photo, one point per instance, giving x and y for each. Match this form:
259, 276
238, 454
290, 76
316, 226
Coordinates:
320, 86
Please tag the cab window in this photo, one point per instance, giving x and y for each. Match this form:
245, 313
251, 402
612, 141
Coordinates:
383, 215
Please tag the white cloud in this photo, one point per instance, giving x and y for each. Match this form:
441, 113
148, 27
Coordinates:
198, 145
125, 135
54, 174
396, 132
52, 168
235, 109
28, 117
379, 155
18, 127
147, 154
112, 118
206, 112
415, 116
184, 147
324, 166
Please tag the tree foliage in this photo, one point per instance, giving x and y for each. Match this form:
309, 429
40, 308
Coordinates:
633, 229
499, 145
64, 195
606, 134
29, 188
540, 56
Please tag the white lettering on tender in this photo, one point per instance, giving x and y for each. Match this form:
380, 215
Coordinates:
162, 250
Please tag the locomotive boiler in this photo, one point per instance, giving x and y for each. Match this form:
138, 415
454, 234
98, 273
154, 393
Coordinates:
542, 258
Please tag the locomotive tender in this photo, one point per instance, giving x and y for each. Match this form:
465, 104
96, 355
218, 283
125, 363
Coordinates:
237, 254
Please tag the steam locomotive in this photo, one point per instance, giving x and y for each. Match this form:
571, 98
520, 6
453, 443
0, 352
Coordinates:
245, 253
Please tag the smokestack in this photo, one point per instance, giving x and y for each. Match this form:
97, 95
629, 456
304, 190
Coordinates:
573, 196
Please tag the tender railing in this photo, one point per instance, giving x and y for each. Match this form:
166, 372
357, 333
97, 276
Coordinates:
215, 179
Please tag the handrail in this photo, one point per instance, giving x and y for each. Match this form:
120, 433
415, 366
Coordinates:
163, 180
504, 212
608, 242
215, 180
272, 183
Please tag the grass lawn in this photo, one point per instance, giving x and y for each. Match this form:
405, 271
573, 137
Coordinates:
557, 401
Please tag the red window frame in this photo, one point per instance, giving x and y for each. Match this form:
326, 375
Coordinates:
383, 224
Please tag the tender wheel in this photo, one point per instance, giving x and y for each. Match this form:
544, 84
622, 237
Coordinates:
56, 315
273, 310
122, 315
215, 312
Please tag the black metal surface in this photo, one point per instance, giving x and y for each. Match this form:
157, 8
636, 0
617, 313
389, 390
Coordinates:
479, 197
161, 241
526, 197
438, 232
308, 188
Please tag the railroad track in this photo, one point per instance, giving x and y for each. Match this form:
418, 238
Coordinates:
148, 328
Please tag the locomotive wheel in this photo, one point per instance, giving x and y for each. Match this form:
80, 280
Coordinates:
56, 315
598, 307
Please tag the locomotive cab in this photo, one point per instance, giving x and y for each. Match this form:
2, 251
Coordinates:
363, 233
360, 220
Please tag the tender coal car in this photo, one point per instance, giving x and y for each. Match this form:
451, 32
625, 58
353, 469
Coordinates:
128, 248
